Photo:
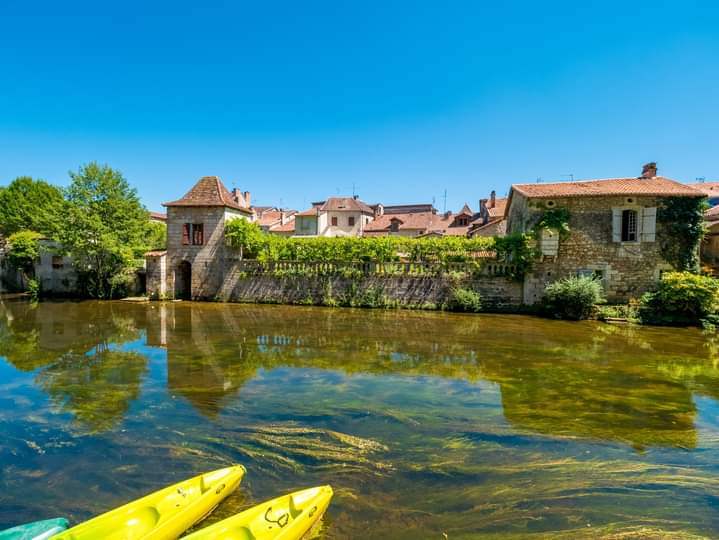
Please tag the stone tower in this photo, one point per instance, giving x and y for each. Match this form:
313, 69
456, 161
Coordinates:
193, 265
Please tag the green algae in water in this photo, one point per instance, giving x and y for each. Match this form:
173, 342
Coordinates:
424, 423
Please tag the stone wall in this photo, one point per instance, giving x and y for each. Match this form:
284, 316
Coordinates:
498, 293
205, 260
627, 269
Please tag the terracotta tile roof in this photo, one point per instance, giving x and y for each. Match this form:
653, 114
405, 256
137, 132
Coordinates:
408, 221
287, 227
656, 186
209, 191
466, 210
158, 216
712, 214
345, 204
157, 253
272, 217
500, 205
710, 189
314, 211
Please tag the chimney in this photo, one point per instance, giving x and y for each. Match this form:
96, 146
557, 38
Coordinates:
493, 199
247, 198
355, 197
649, 170
237, 195
283, 217
379, 210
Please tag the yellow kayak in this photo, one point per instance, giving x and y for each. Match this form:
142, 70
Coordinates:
284, 518
164, 514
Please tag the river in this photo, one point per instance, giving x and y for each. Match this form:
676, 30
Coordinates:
425, 424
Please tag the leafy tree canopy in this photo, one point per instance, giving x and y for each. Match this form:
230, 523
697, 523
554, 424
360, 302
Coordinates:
28, 204
105, 230
24, 249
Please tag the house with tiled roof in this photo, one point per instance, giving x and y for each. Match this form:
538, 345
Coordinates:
614, 231
336, 216
191, 267
270, 218
710, 189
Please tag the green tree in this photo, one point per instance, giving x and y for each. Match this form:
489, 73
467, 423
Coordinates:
28, 204
24, 249
246, 236
105, 229
156, 235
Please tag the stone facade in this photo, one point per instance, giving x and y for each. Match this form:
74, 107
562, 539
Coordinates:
626, 269
498, 293
195, 271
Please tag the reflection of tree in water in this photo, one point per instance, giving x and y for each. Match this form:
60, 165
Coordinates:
97, 388
558, 379
69, 342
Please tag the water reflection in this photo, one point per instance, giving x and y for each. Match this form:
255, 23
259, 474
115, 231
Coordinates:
425, 423
570, 380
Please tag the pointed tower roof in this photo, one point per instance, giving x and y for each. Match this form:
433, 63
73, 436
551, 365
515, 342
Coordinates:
209, 191
466, 210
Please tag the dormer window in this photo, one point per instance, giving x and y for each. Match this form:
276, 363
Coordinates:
394, 225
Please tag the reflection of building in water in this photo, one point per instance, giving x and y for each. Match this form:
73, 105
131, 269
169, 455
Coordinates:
205, 364
569, 399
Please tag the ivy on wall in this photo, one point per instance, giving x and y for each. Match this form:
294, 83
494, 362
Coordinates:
554, 218
682, 220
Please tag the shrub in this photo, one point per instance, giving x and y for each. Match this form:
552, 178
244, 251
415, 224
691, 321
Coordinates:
681, 298
572, 298
33, 288
465, 300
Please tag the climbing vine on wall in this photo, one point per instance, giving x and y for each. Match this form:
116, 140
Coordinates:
554, 218
682, 221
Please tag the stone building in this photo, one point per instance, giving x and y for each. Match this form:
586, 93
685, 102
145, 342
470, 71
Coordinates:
613, 231
192, 266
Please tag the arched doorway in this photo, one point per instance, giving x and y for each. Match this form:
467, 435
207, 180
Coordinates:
183, 281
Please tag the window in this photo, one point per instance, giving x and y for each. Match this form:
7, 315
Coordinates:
57, 262
334, 221
351, 221
394, 225
629, 226
463, 221
193, 233
198, 236
186, 234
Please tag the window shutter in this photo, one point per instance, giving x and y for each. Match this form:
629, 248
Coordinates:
616, 224
185, 234
649, 224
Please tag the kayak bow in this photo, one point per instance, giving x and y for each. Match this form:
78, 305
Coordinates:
285, 518
164, 514
37, 530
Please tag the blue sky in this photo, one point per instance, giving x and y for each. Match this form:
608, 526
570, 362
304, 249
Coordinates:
296, 101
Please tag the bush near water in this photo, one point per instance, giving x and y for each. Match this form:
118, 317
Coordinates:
572, 298
682, 298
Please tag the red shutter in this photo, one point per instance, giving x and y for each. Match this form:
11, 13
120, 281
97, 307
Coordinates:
352, 221
185, 234
334, 221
